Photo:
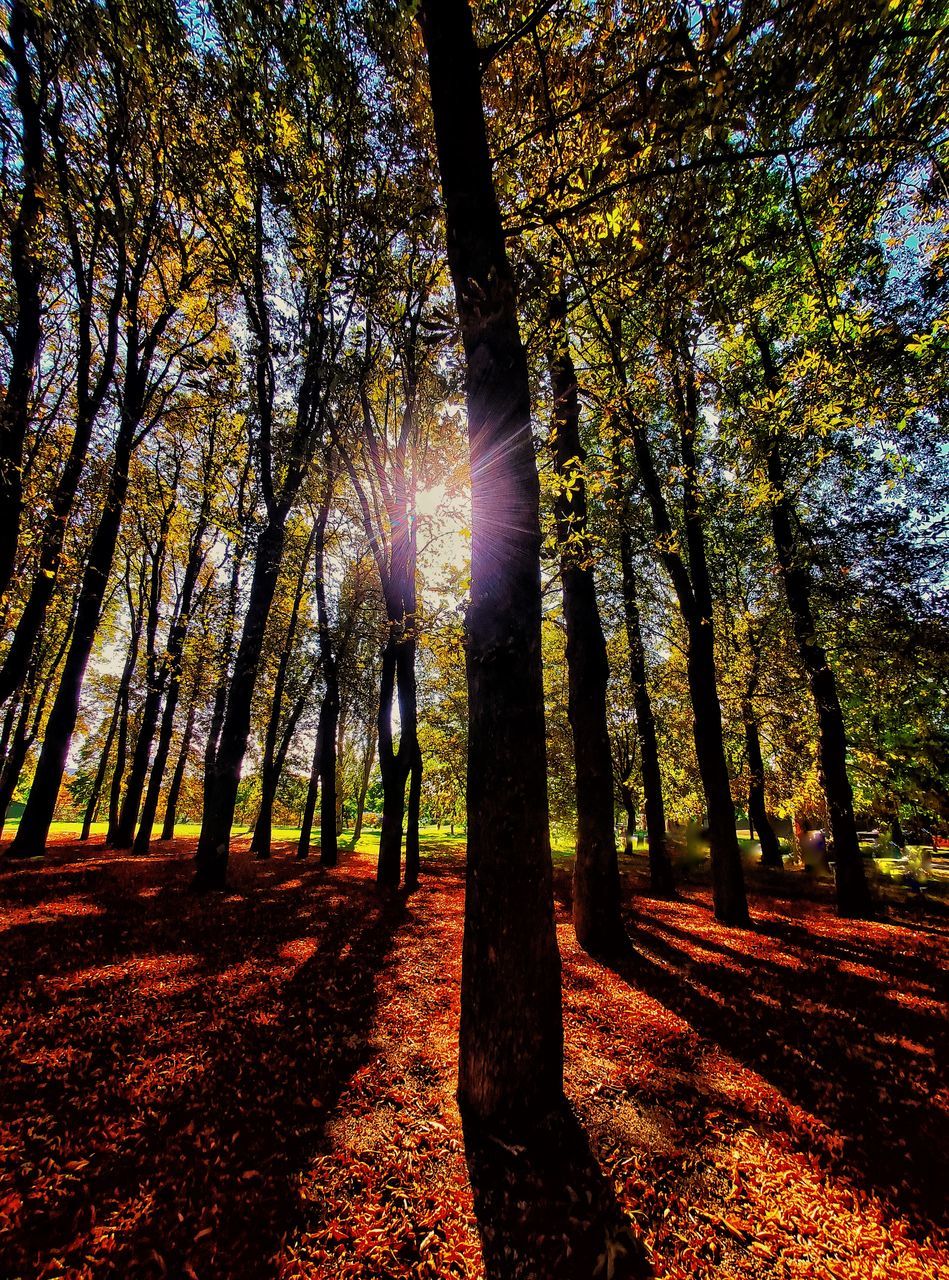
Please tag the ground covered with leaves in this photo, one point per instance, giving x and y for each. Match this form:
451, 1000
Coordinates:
261, 1084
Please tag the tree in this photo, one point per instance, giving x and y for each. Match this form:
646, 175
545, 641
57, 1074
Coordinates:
511, 1035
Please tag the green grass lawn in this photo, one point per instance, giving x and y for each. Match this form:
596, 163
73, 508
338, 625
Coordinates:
432, 839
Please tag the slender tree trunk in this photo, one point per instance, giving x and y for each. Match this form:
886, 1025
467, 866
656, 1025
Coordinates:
178, 777
757, 813
367, 762
412, 851
392, 767
853, 892
220, 786
511, 1033
30, 841
270, 771
102, 770
329, 713
660, 865
728, 884
14, 758
309, 808
597, 919
26, 277
124, 833
629, 808
728, 881
118, 771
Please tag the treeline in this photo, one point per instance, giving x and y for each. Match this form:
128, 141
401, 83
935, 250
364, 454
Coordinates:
686, 265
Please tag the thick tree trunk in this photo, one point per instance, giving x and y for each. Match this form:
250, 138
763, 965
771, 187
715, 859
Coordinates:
178, 777
660, 865
30, 841
511, 1034
26, 276
853, 893
220, 786
597, 919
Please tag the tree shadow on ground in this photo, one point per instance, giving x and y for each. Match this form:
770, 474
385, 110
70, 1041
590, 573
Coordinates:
843, 1026
544, 1208
169, 1062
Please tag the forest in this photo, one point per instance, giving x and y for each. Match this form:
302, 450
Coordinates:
474, 638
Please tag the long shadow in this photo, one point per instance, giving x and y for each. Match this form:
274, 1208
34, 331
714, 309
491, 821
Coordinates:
811, 1034
544, 1208
160, 1112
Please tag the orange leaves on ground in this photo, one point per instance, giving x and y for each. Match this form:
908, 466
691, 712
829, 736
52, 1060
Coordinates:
263, 1084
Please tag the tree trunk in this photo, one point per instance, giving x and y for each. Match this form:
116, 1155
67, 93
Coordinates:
367, 762
728, 885
309, 808
30, 840
13, 760
221, 783
757, 814
412, 851
629, 807
597, 919
392, 770
101, 771
853, 893
270, 771
26, 277
329, 713
660, 865
178, 777
118, 770
511, 1033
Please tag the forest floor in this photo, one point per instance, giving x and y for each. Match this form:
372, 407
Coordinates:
260, 1084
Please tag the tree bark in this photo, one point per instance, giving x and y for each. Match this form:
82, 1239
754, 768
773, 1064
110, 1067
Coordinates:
221, 782
367, 763
270, 772
511, 1033
177, 778
853, 892
14, 757
30, 840
660, 865
597, 919
412, 850
757, 813
173, 652
156, 674
393, 772
854, 899
26, 276
309, 808
102, 770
